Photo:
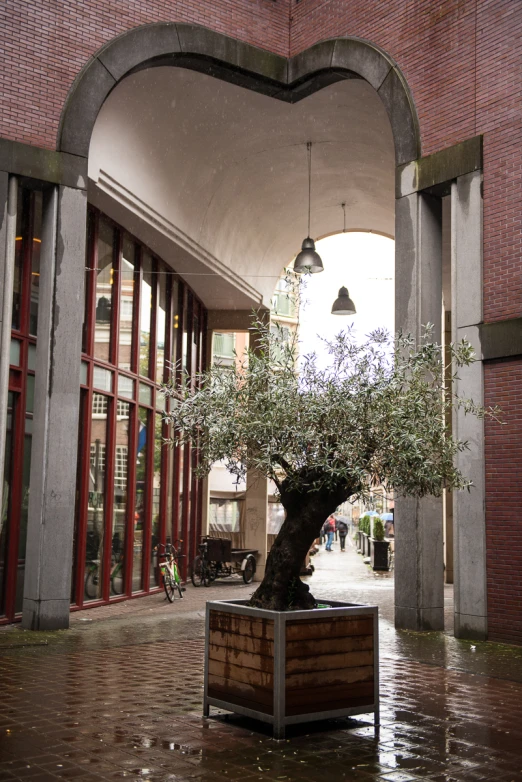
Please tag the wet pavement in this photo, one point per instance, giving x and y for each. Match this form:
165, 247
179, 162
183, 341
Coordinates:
119, 695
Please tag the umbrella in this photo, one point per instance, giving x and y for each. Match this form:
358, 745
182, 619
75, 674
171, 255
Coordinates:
387, 517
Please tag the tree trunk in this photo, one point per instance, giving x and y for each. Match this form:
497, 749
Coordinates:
281, 588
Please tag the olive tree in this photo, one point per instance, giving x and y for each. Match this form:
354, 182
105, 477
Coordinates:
378, 413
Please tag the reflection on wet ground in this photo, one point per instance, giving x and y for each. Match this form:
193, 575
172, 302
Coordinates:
119, 696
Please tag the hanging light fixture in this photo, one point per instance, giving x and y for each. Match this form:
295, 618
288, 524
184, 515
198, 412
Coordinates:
308, 260
343, 305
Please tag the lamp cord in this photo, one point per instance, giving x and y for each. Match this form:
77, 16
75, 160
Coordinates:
309, 148
344, 221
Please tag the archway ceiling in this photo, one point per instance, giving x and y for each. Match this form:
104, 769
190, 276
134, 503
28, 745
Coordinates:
214, 177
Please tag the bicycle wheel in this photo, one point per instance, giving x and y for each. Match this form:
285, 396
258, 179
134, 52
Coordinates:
197, 572
169, 585
91, 585
250, 569
177, 580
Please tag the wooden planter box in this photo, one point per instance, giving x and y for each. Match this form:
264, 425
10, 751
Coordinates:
291, 666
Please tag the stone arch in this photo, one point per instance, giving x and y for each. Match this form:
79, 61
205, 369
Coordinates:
201, 49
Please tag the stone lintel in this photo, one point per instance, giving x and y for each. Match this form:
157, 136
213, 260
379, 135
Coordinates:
502, 339
45, 165
434, 171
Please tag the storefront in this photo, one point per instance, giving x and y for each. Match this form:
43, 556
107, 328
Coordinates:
142, 327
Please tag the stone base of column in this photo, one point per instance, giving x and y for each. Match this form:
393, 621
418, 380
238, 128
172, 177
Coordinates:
45, 614
419, 619
474, 628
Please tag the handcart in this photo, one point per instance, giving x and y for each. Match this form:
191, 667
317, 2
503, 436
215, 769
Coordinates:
217, 559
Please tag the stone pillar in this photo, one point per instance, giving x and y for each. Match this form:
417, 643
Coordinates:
469, 529
50, 528
256, 518
419, 567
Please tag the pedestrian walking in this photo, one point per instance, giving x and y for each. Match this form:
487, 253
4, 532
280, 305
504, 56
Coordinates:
342, 529
330, 530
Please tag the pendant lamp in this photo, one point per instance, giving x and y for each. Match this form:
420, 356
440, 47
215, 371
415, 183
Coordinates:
343, 305
308, 260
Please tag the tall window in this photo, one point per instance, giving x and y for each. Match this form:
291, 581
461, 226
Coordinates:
16, 478
135, 495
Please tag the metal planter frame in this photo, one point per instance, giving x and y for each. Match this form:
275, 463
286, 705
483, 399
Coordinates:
279, 720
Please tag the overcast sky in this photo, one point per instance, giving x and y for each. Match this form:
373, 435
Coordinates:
363, 263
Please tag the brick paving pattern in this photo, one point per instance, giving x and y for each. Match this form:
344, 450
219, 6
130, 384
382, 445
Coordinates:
119, 697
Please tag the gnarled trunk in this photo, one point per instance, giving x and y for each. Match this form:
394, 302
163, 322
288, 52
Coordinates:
281, 588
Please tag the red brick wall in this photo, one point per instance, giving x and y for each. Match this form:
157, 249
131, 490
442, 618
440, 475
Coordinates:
503, 386
45, 43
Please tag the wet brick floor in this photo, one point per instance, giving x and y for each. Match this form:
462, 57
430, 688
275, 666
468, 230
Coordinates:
119, 697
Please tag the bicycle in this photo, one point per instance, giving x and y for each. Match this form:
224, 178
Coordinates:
92, 578
169, 569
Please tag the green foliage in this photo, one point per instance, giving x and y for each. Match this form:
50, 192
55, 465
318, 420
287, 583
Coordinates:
364, 524
378, 529
377, 414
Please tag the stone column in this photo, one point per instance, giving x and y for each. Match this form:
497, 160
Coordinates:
469, 519
50, 529
419, 566
256, 519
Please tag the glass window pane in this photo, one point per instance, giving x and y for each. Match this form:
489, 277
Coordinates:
83, 373
31, 357
29, 396
184, 341
127, 270
95, 509
145, 394
145, 315
161, 401
35, 262
125, 387
161, 321
175, 323
119, 526
24, 512
102, 379
140, 505
89, 277
21, 222
156, 499
104, 280
14, 353
82, 429
4, 510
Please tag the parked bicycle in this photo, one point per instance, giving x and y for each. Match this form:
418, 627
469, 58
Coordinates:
92, 577
169, 568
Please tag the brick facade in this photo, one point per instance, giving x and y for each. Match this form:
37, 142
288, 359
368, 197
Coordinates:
462, 60
503, 386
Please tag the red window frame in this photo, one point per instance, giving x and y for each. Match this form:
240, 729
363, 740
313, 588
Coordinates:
186, 525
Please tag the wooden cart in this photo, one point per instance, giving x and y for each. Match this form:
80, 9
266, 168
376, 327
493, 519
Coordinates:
217, 559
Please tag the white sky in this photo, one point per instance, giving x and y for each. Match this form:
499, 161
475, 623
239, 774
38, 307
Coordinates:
365, 264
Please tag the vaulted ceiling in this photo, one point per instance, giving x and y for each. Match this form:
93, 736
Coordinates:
214, 177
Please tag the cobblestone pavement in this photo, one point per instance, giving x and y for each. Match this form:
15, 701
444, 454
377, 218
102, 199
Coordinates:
119, 697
